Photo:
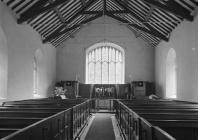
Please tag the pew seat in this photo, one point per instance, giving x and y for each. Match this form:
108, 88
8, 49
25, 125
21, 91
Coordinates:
6, 131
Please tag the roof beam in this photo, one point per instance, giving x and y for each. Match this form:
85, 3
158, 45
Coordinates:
110, 12
83, 3
149, 14
152, 29
60, 31
39, 8
126, 2
171, 7
62, 27
88, 4
58, 13
104, 7
138, 27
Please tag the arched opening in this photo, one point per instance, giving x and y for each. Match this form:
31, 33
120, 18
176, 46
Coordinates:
171, 75
3, 65
35, 77
36, 70
105, 64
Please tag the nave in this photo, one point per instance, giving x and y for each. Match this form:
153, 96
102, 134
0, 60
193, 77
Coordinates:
102, 52
69, 119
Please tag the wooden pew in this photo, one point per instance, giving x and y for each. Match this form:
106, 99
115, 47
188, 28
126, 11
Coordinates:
135, 127
181, 126
148, 101
149, 132
25, 114
46, 101
179, 122
10, 125
6, 131
53, 120
161, 110
17, 122
159, 134
31, 109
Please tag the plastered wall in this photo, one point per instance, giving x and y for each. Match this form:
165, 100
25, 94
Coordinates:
139, 59
184, 40
18, 44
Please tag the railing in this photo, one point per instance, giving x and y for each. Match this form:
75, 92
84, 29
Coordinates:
65, 125
103, 104
134, 127
80, 115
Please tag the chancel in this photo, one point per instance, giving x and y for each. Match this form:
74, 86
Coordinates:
98, 70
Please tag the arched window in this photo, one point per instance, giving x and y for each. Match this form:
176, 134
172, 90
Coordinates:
171, 77
35, 75
105, 64
3, 64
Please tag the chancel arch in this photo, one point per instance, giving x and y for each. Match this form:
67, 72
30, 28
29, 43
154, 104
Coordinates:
105, 63
171, 74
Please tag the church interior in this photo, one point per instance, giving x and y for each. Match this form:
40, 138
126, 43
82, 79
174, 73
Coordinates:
98, 70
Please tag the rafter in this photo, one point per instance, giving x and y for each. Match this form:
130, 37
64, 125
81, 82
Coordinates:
110, 12
126, 2
60, 31
88, 4
83, 3
58, 13
149, 13
137, 27
171, 7
151, 29
39, 8
104, 7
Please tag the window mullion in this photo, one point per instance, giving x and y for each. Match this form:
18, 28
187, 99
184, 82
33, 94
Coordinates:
115, 67
94, 66
108, 63
105, 65
101, 65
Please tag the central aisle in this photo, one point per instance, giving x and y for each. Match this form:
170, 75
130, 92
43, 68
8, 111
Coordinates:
101, 128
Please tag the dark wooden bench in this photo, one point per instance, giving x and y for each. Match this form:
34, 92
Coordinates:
46, 101
6, 131
43, 120
17, 122
181, 126
10, 125
149, 132
26, 114
168, 110
179, 120
133, 127
150, 101
2, 109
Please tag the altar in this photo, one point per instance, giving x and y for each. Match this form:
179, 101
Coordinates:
104, 104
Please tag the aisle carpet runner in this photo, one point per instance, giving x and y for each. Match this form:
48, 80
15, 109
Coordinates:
101, 128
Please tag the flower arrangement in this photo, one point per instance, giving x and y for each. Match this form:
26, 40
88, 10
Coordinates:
59, 92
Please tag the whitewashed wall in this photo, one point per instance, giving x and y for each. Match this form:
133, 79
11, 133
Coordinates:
71, 56
19, 43
184, 40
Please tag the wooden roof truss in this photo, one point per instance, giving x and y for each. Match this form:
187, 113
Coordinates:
58, 20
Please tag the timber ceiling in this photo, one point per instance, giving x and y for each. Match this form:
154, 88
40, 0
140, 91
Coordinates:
58, 20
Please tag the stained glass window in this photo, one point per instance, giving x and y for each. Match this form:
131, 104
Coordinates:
105, 65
